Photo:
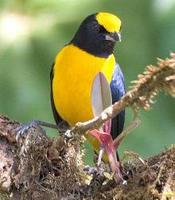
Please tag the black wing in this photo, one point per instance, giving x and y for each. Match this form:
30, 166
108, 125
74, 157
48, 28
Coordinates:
117, 86
57, 117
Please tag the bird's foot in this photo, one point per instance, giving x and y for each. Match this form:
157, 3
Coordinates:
23, 129
36, 123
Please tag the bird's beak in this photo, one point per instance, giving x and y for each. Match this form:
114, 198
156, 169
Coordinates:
116, 36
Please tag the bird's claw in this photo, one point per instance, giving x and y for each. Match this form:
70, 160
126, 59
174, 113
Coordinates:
22, 129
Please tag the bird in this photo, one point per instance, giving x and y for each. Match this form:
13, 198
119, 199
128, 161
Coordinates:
90, 51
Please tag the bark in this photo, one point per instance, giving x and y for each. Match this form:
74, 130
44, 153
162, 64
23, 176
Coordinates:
34, 166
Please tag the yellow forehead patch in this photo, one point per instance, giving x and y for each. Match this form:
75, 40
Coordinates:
109, 21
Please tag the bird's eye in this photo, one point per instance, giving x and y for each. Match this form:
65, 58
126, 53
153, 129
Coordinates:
102, 29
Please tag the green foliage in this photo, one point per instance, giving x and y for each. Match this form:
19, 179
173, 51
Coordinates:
25, 59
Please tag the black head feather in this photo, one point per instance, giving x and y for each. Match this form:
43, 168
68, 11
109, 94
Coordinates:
94, 38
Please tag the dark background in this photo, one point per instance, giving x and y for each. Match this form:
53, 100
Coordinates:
32, 31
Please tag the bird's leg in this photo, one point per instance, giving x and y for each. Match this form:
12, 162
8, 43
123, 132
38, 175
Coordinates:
46, 124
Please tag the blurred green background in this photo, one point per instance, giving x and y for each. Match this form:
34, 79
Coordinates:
32, 32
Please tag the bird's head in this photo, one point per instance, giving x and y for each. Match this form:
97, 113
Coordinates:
98, 34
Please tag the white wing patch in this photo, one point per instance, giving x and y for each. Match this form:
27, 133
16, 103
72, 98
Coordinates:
100, 94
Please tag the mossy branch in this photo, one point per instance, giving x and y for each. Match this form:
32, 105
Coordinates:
37, 167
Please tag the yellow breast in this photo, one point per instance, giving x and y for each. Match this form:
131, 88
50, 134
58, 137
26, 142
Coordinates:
74, 72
